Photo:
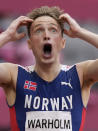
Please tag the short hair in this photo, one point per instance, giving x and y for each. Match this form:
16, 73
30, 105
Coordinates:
53, 12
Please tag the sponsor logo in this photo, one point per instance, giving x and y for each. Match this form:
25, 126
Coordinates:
67, 84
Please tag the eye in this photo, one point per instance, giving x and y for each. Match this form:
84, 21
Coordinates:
39, 30
53, 30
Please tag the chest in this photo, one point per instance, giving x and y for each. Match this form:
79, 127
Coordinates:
56, 96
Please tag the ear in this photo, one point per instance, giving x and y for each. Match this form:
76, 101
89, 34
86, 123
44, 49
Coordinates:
63, 42
29, 43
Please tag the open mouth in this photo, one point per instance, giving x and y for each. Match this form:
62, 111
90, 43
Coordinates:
47, 49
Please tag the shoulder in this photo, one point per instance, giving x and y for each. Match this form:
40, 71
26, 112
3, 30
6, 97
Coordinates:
80, 72
74, 68
66, 67
27, 68
8, 68
82, 68
15, 68
8, 74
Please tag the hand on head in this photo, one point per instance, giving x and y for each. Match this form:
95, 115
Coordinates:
73, 25
12, 29
24, 20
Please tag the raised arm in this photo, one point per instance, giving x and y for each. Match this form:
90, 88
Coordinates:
76, 31
11, 33
8, 70
88, 69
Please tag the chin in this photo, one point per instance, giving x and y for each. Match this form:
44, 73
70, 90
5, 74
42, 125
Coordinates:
48, 61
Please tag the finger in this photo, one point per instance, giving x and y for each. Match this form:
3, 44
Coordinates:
25, 23
25, 18
20, 35
66, 15
65, 18
66, 32
22, 20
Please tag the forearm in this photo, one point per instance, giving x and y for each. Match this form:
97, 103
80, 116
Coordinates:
4, 38
88, 36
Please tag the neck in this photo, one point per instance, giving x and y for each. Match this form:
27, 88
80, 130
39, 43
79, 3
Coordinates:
48, 72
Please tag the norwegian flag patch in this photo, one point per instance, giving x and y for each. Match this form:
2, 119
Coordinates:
30, 85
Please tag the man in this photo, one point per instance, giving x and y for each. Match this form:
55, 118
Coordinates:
47, 96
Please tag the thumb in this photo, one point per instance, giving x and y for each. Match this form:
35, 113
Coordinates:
20, 35
66, 32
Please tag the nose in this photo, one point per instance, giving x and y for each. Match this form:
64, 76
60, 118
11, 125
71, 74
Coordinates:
46, 35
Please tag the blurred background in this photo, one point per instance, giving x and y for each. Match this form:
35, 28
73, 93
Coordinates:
85, 13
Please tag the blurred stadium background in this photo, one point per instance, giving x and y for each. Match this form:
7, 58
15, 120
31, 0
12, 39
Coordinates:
85, 13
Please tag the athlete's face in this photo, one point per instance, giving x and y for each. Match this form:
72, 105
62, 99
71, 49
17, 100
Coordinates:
46, 40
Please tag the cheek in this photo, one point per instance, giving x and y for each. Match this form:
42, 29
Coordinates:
35, 42
36, 45
58, 43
